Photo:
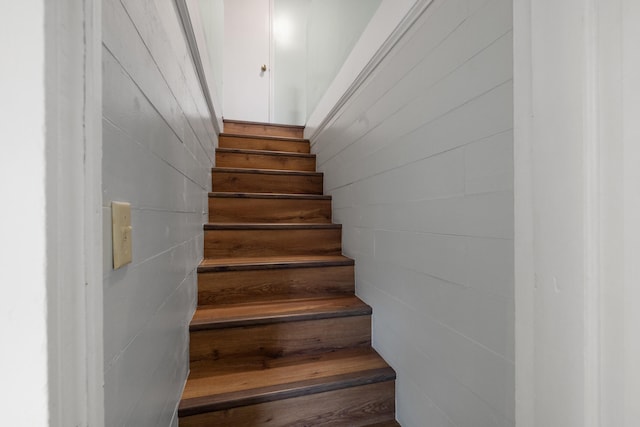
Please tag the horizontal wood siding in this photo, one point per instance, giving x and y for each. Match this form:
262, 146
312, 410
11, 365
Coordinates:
158, 143
420, 166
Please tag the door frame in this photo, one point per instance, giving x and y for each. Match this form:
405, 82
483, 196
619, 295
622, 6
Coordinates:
73, 110
272, 63
241, 76
577, 205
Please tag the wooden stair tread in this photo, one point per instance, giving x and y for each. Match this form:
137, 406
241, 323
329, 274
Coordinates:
269, 137
258, 128
208, 390
290, 144
271, 226
265, 153
249, 122
256, 263
278, 338
386, 424
241, 195
235, 315
238, 157
265, 208
267, 171
234, 180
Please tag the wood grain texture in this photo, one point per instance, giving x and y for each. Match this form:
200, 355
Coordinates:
258, 159
271, 312
263, 129
267, 210
269, 143
245, 374
392, 423
222, 368
350, 407
271, 240
272, 262
263, 181
278, 340
269, 284
278, 391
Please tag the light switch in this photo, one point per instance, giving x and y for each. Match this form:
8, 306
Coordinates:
121, 227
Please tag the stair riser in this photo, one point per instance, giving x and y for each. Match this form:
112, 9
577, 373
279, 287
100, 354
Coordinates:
265, 161
262, 183
278, 340
231, 287
254, 243
263, 130
234, 210
256, 143
351, 407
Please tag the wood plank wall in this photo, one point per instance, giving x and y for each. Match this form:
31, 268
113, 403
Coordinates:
420, 167
158, 153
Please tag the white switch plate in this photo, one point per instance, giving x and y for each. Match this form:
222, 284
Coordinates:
121, 227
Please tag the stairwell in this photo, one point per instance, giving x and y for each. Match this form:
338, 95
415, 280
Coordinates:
279, 337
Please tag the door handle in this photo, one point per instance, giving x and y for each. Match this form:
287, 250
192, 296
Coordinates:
264, 67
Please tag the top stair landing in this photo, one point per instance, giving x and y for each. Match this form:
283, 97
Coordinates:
240, 127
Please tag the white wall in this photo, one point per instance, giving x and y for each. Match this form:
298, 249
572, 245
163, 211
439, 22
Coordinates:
333, 29
23, 300
51, 298
247, 89
211, 22
158, 151
289, 28
389, 15
577, 205
420, 165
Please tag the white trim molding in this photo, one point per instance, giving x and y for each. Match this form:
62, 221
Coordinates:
391, 22
592, 216
73, 110
190, 19
93, 236
576, 196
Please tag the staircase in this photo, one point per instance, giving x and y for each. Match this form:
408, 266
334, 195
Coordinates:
278, 338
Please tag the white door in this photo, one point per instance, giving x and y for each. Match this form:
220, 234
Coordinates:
247, 71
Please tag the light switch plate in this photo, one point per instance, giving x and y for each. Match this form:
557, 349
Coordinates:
121, 227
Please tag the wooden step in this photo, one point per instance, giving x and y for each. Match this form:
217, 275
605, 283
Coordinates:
346, 388
236, 180
262, 129
346, 407
392, 423
269, 143
278, 337
258, 159
269, 208
236, 280
263, 240
248, 336
266, 313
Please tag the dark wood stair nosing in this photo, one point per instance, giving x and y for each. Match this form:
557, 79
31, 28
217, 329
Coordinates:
271, 226
275, 265
362, 310
391, 423
267, 137
266, 171
199, 405
279, 125
288, 196
265, 153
